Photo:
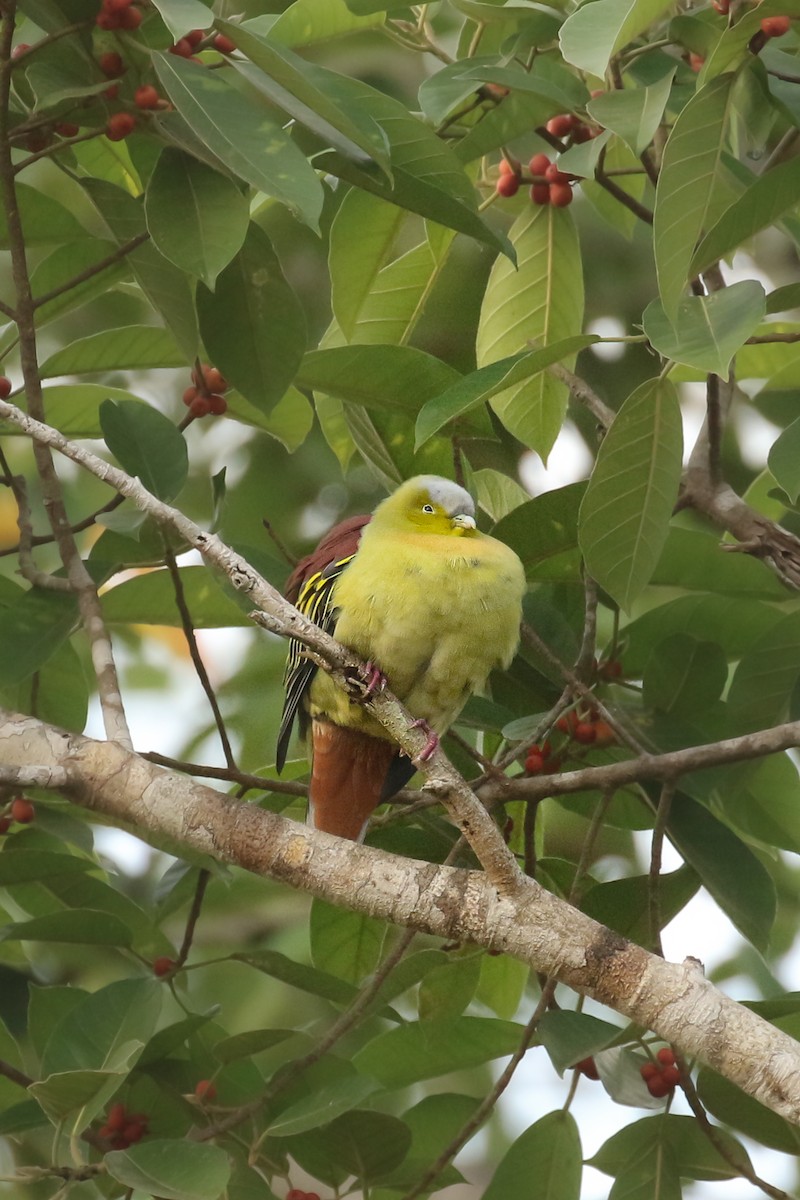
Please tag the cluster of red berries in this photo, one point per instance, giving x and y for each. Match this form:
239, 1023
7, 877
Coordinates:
540, 760
204, 395
21, 810
122, 1128
118, 14
549, 185
299, 1194
567, 125
588, 729
186, 46
661, 1076
6, 387
205, 1090
773, 27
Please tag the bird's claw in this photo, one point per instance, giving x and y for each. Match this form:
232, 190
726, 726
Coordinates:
374, 679
431, 746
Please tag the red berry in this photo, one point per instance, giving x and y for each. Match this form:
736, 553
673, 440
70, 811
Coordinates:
117, 1118
504, 167
67, 129
6, 387
133, 1132
19, 50
545, 749
561, 125
612, 669
218, 404
112, 92
200, 407
119, 126
107, 20
22, 810
130, 18
582, 133
224, 44
587, 1067
560, 195
205, 1089
189, 395
658, 1088
5, 825
111, 64
604, 734
671, 1076
183, 48
666, 1056
295, 1194
163, 966
497, 91
534, 764
194, 37
146, 96
696, 62
722, 6
116, 6
540, 193
38, 140
552, 766
566, 723
554, 175
584, 733
773, 27
538, 164
649, 1070
214, 380
507, 185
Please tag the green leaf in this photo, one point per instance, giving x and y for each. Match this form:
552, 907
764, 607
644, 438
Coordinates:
502, 984
727, 1103
174, 1169
45, 222
538, 303
147, 445
78, 926
734, 622
150, 600
307, 22
679, 1136
32, 629
167, 288
324, 1105
590, 36
83, 1093
686, 181
197, 217
548, 1152
362, 235
366, 1144
729, 870
180, 16
447, 990
569, 1037
766, 676
384, 377
784, 460
345, 944
625, 513
253, 325
763, 203
544, 532
707, 330
434, 1122
764, 802
299, 975
482, 385
133, 348
26, 866
98, 1029
300, 87
429, 1048
634, 114
684, 676
64, 265
246, 1045
242, 134
622, 904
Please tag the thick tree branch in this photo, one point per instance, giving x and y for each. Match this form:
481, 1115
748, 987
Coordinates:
674, 1000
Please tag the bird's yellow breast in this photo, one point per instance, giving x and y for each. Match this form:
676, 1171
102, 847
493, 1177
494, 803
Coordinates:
435, 613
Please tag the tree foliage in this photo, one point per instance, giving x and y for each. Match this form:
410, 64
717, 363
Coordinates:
396, 231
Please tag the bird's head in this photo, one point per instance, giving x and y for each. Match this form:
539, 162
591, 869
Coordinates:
428, 504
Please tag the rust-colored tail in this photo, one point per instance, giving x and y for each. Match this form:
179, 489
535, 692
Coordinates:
347, 776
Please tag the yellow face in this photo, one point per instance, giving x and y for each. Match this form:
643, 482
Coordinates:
428, 516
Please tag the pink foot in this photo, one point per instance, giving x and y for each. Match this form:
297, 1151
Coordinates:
374, 678
432, 744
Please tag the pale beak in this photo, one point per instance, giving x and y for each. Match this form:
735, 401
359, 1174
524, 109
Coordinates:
462, 522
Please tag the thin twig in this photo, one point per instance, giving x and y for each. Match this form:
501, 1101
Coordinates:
18, 1077
46, 539
95, 269
203, 878
279, 545
714, 413
229, 775
654, 879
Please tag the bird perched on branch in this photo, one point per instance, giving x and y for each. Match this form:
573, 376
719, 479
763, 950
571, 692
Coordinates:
431, 604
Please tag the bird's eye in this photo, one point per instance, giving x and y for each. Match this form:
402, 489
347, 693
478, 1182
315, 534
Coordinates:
427, 508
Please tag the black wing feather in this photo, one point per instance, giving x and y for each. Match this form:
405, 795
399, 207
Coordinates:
315, 602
